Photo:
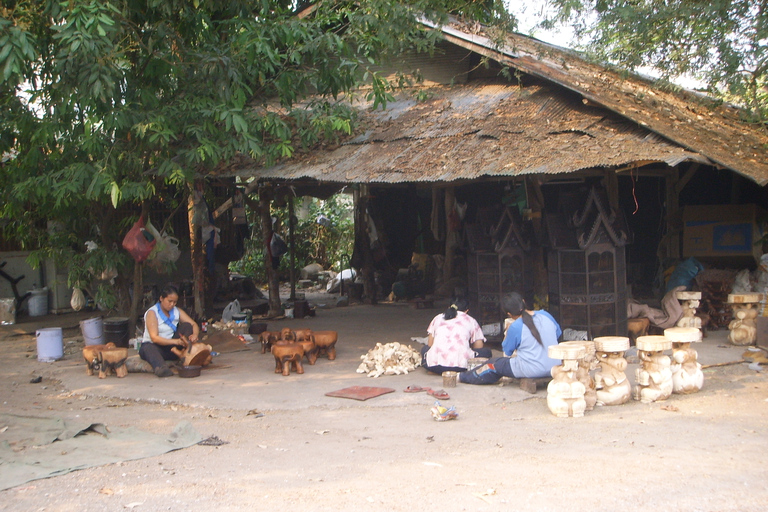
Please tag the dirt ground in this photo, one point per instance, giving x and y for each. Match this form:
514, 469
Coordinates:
506, 451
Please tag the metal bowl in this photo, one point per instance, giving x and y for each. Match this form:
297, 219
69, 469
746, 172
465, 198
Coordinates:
188, 372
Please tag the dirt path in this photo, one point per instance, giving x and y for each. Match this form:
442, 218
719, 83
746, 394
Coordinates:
701, 452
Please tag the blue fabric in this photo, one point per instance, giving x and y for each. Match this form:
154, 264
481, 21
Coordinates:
684, 274
532, 359
167, 319
489, 373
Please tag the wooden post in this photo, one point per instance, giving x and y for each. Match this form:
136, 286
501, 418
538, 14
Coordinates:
273, 278
450, 235
363, 243
536, 255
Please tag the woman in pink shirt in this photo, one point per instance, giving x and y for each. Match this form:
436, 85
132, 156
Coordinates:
454, 337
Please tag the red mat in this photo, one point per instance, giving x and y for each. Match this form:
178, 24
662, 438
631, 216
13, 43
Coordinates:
360, 392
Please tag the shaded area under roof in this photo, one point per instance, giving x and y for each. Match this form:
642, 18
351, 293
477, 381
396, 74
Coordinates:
479, 130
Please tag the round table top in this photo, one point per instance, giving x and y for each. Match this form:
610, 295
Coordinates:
611, 343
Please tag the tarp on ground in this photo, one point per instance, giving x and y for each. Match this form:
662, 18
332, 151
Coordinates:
32, 447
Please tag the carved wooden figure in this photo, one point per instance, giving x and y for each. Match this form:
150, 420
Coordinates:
287, 334
91, 356
326, 343
583, 374
197, 354
743, 327
687, 376
287, 355
302, 334
565, 393
267, 339
612, 385
112, 360
310, 349
690, 302
653, 379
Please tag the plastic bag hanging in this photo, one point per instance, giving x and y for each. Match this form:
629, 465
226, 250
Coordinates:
139, 242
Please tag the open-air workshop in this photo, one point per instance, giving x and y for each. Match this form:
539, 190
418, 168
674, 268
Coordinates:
531, 283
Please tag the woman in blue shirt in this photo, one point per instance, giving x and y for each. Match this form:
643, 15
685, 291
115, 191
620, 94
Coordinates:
530, 335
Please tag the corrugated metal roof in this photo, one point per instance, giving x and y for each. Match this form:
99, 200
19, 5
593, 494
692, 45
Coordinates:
477, 130
716, 131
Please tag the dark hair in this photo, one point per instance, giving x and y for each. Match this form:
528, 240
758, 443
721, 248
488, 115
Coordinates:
168, 290
514, 304
457, 304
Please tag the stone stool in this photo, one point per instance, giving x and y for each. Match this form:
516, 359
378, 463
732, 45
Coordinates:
612, 385
565, 394
687, 376
743, 327
653, 379
690, 302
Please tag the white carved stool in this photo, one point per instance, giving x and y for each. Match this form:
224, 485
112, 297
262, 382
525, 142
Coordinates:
653, 379
743, 327
612, 385
690, 302
687, 376
565, 393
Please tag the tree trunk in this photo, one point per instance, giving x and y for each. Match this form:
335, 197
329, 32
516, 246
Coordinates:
273, 279
138, 284
196, 249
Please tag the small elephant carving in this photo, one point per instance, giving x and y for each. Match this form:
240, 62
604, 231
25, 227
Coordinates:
326, 343
91, 356
288, 355
112, 360
267, 339
286, 334
310, 349
303, 334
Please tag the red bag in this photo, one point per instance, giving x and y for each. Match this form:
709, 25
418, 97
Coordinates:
139, 242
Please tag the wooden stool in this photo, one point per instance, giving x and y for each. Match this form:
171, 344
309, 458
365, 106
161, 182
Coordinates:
91, 356
112, 360
326, 343
288, 354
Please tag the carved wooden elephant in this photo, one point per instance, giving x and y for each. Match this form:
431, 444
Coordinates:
326, 343
112, 360
310, 349
91, 356
286, 334
267, 339
288, 354
303, 334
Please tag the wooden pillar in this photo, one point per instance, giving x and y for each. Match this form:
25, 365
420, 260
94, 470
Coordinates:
273, 278
363, 244
450, 233
536, 256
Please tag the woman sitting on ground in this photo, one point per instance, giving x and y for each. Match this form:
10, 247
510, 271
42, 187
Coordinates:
454, 337
530, 335
167, 331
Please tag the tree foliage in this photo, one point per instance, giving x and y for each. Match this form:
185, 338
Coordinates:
110, 103
723, 43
